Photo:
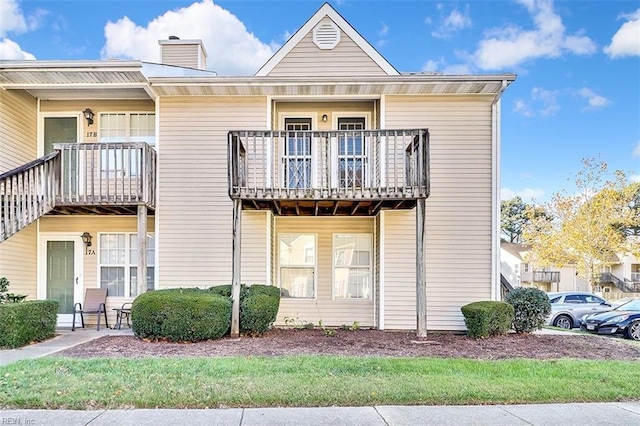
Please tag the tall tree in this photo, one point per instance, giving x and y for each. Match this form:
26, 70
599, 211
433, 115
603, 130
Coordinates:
585, 228
515, 214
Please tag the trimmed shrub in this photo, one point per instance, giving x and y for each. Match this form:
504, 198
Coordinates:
26, 322
259, 306
181, 315
487, 318
531, 308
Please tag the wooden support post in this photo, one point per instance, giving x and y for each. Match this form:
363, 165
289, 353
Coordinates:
235, 268
142, 248
421, 269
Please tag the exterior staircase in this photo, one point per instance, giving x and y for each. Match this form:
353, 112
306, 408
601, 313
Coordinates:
624, 286
27, 193
87, 178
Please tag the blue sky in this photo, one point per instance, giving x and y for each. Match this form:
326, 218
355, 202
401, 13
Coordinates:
578, 62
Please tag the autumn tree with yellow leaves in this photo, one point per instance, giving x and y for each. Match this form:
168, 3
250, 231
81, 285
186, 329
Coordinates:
589, 229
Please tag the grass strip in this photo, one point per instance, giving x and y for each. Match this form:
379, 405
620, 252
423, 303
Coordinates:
309, 381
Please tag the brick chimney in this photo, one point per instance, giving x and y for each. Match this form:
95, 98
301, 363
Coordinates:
183, 53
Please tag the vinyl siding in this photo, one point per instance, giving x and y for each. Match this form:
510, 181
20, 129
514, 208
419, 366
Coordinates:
18, 118
17, 129
323, 308
98, 107
346, 59
194, 209
94, 225
458, 211
181, 55
18, 261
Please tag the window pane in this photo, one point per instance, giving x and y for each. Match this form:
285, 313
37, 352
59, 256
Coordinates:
352, 261
112, 278
297, 282
133, 280
113, 128
143, 128
297, 250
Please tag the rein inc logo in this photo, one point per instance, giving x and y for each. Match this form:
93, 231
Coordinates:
17, 421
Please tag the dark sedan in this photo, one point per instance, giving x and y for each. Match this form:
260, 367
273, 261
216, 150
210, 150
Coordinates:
623, 320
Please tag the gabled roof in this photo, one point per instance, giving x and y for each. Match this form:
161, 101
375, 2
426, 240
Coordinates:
327, 11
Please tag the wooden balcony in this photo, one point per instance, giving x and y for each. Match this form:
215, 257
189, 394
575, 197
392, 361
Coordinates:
541, 277
97, 178
338, 172
105, 178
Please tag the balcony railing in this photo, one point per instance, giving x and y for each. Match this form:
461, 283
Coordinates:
329, 165
26, 193
541, 277
99, 174
627, 287
110, 178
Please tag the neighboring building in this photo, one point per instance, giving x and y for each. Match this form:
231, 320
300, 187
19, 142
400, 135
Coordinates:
311, 176
621, 278
520, 273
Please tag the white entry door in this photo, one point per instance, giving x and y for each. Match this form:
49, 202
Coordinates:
61, 277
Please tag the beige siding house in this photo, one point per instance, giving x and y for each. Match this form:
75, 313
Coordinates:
363, 193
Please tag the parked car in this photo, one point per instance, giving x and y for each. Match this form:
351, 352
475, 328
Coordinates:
616, 303
568, 307
623, 320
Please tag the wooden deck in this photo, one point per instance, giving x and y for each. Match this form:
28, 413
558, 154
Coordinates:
96, 178
314, 173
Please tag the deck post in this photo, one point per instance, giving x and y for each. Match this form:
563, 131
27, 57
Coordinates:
235, 268
142, 249
421, 268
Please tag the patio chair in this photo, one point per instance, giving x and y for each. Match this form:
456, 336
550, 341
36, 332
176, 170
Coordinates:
95, 300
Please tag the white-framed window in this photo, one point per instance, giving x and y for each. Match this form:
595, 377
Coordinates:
122, 127
118, 263
297, 265
352, 271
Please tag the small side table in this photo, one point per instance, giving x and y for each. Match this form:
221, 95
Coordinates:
123, 312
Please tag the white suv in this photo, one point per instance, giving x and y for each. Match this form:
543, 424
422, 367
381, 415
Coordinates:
567, 308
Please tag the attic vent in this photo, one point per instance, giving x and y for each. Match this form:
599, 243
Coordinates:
326, 35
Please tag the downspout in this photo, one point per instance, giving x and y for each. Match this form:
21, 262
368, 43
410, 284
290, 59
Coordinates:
495, 193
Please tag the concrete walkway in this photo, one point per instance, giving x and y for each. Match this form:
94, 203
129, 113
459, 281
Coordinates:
592, 414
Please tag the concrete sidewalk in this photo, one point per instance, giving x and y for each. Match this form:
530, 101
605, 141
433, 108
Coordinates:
495, 415
65, 338
591, 414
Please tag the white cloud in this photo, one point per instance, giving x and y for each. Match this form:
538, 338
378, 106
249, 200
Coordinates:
626, 41
9, 49
522, 108
510, 46
13, 20
384, 30
451, 23
636, 150
595, 101
527, 194
442, 67
634, 178
546, 99
231, 48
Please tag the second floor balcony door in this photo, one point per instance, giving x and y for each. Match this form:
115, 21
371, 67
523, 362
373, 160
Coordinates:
64, 130
297, 158
352, 153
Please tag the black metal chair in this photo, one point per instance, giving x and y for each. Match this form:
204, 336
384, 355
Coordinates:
95, 300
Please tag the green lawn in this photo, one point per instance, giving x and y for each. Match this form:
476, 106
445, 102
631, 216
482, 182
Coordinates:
309, 381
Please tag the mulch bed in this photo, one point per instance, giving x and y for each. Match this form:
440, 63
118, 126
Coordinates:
281, 342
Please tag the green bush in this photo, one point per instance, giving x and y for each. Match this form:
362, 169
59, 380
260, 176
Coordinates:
487, 318
531, 308
22, 323
181, 315
259, 306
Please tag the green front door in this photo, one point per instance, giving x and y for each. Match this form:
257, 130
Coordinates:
63, 130
61, 276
